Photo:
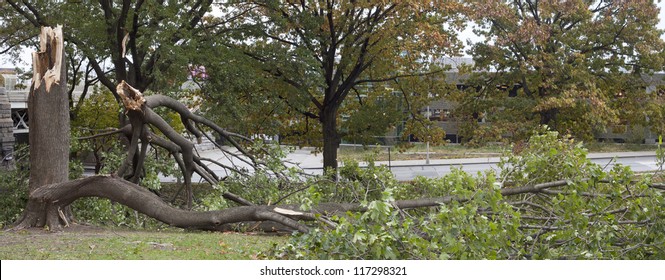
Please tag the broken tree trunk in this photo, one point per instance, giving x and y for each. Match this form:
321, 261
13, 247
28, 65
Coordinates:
140, 116
143, 120
140, 199
48, 111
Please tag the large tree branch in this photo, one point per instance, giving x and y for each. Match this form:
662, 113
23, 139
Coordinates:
398, 76
144, 201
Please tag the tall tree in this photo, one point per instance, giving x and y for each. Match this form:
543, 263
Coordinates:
571, 65
319, 63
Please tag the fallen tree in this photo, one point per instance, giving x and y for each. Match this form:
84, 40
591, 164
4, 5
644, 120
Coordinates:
529, 208
50, 191
61, 195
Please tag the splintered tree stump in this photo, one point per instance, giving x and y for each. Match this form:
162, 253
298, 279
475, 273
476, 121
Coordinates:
48, 113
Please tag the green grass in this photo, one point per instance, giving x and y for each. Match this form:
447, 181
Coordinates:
619, 147
417, 151
110, 244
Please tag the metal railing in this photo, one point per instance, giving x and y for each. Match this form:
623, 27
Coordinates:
17, 95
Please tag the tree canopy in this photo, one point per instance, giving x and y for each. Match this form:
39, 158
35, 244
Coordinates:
327, 69
148, 44
549, 201
577, 66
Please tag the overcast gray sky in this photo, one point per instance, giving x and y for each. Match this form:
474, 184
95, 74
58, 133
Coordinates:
5, 62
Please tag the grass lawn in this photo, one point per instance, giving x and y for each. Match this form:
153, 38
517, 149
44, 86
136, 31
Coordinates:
418, 151
88, 243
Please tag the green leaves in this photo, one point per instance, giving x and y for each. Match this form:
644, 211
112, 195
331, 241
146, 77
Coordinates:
575, 66
596, 214
325, 71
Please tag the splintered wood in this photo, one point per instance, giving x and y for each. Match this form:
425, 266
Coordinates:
131, 98
47, 63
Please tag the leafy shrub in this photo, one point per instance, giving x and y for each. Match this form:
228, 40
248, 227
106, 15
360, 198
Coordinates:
103, 212
13, 196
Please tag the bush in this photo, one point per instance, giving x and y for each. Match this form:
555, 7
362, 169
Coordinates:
14, 187
13, 195
103, 212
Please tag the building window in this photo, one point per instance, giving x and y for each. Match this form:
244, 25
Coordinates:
20, 118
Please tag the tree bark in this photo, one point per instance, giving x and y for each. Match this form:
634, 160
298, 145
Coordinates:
548, 117
57, 196
331, 138
49, 129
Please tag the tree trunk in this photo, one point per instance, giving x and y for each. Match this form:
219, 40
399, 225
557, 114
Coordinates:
548, 117
331, 138
48, 112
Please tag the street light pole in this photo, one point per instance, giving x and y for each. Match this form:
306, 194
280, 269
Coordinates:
427, 153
